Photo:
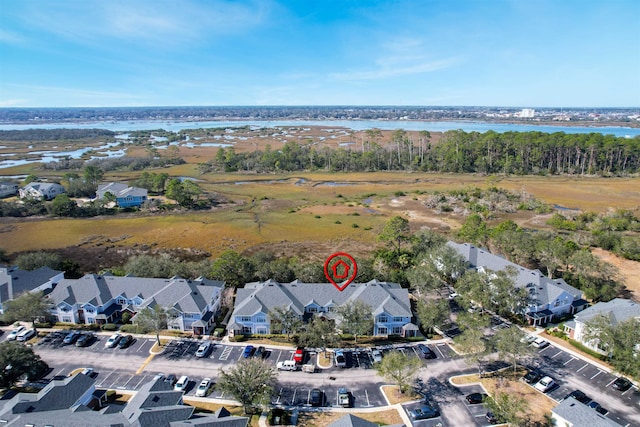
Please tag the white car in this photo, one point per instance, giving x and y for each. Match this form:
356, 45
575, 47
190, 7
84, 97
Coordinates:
15, 332
376, 356
203, 350
287, 365
112, 341
182, 383
540, 343
545, 384
203, 387
26, 335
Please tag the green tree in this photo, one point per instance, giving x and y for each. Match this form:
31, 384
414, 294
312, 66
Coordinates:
62, 205
439, 266
596, 278
432, 313
508, 408
185, 193
153, 319
28, 307
472, 345
92, 176
474, 230
395, 232
511, 346
35, 260
232, 268
284, 320
251, 382
319, 333
399, 368
17, 360
356, 318
618, 340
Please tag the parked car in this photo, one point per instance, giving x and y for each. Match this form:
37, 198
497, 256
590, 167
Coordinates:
540, 343
532, 377
259, 352
182, 384
171, 379
87, 371
475, 398
425, 351
203, 349
287, 365
579, 396
84, 340
545, 384
298, 356
376, 356
491, 418
15, 332
125, 341
344, 398
71, 337
113, 340
203, 388
26, 335
621, 384
248, 352
424, 412
341, 361
317, 397
159, 376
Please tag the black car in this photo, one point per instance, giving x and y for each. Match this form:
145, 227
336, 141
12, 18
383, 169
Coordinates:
621, 384
532, 377
579, 396
317, 397
171, 379
475, 398
598, 408
84, 340
424, 412
425, 351
125, 341
491, 418
259, 352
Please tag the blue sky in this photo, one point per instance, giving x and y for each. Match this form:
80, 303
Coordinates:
556, 53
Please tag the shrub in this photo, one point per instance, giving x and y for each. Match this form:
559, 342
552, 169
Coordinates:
337, 222
354, 225
399, 193
131, 329
238, 338
109, 327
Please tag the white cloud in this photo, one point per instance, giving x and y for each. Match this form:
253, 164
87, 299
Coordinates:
10, 37
12, 102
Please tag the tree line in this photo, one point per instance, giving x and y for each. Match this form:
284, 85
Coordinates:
520, 153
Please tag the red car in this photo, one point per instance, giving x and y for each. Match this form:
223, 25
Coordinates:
298, 356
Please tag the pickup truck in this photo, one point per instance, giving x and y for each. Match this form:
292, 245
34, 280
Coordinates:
344, 399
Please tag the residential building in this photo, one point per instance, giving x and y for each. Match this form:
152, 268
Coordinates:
351, 420
8, 189
549, 298
572, 413
617, 310
41, 190
75, 402
125, 196
14, 282
103, 298
389, 304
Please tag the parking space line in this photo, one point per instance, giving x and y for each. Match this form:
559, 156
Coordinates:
569, 361
144, 377
585, 365
293, 399
366, 394
598, 373
105, 378
557, 354
59, 372
225, 353
141, 345
438, 348
279, 396
611, 382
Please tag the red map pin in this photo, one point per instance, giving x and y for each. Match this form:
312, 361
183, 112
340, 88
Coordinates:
340, 269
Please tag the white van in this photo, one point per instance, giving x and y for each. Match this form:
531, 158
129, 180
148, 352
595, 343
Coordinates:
181, 385
287, 365
26, 335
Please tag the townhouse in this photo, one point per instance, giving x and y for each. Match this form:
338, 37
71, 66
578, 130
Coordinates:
14, 281
549, 298
390, 306
102, 299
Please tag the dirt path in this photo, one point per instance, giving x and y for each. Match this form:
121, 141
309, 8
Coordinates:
629, 270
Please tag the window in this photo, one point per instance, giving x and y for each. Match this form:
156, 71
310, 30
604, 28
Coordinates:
121, 301
89, 310
398, 319
246, 329
382, 331
64, 309
312, 309
91, 320
245, 318
261, 320
331, 309
397, 330
383, 318
66, 319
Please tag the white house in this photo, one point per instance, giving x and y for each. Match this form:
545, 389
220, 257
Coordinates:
8, 189
549, 298
573, 413
617, 310
389, 304
41, 190
102, 298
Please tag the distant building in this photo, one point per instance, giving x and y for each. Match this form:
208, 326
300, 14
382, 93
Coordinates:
617, 310
125, 196
8, 189
41, 190
527, 113
390, 306
549, 298
14, 282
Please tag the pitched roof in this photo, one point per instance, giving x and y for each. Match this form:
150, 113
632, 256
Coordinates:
121, 190
188, 296
14, 281
581, 415
350, 420
259, 297
542, 288
617, 310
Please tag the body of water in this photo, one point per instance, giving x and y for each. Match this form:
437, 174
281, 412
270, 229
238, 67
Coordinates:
356, 125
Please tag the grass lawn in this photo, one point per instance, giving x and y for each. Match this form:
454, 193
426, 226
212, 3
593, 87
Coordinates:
393, 395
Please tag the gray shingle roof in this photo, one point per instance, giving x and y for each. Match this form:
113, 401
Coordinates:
544, 290
189, 296
581, 415
350, 420
261, 296
14, 281
618, 310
